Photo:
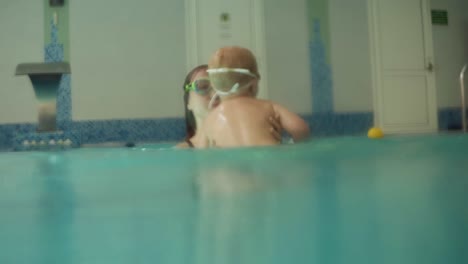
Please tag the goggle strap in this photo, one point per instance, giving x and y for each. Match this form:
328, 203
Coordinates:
238, 70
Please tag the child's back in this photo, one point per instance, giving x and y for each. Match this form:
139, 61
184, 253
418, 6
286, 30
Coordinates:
239, 122
241, 119
244, 121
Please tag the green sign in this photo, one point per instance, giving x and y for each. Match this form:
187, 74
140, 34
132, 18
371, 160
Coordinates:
439, 17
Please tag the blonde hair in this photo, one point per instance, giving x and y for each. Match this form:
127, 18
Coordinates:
234, 57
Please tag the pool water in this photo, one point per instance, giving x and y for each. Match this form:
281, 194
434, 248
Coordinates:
335, 200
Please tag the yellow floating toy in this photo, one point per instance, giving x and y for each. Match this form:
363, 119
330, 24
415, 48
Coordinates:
375, 133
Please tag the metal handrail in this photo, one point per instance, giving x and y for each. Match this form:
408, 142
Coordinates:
462, 90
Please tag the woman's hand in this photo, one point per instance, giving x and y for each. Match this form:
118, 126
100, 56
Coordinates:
276, 129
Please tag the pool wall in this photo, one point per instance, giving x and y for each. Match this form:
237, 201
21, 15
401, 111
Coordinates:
335, 98
173, 129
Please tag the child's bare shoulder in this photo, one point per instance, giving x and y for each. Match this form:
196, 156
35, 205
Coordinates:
245, 103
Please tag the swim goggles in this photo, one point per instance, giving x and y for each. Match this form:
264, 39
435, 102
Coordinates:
201, 86
235, 87
225, 70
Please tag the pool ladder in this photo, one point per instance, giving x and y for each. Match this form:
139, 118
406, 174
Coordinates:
462, 90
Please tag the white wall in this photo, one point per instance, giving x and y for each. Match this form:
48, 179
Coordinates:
206, 31
287, 54
21, 40
349, 51
144, 45
451, 50
350, 58
127, 59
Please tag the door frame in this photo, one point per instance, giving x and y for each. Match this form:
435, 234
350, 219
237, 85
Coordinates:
376, 68
193, 45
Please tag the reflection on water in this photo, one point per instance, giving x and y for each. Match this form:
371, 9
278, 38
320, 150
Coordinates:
329, 201
240, 215
36, 208
57, 204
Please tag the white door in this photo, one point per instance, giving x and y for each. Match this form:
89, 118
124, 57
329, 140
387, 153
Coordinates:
402, 64
212, 24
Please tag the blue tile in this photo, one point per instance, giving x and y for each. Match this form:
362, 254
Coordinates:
46, 141
339, 124
53, 52
53, 31
450, 118
130, 130
8, 132
173, 129
64, 104
321, 74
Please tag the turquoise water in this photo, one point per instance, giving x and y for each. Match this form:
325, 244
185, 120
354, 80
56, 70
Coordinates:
337, 200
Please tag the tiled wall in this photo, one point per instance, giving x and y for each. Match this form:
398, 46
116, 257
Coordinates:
324, 120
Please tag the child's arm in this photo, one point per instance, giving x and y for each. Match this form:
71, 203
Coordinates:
292, 123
